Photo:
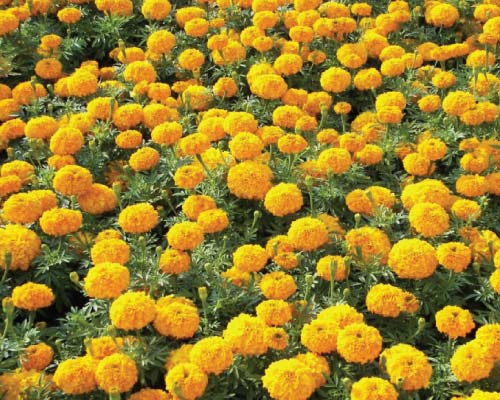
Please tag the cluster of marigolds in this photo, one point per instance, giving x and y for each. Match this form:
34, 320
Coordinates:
148, 120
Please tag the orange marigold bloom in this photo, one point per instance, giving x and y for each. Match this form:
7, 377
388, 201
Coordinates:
138, 71
245, 145
250, 258
106, 280
454, 321
132, 310
49, 69
359, 343
249, 180
32, 296
307, 233
472, 362
191, 59
75, 376
138, 218
328, 264
413, 259
37, 357
373, 388
371, 242
188, 176
22, 169
283, 199
185, 236
454, 256
22, 244
110, 249
66, 141
352, 55
174, 262
129, 139
277, 285
388, 300
116, 373
212, 354
144, 159
471, 185
299, 383
60, 221
429, 219
69, 15
274, 312
336, 160
245, 335
466, 209
177, 320
458, 102
72, 180
188, 379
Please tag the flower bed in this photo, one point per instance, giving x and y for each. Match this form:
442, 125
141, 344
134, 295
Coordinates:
237, 199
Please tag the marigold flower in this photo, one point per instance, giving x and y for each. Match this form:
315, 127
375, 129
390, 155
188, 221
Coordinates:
388, 300
72, 180
472, 361
327, 264
37, 357
283, 199
359, 343
458, 102
116, 373
373, 388
249, 180
132, 310
60, 221
407, 364
21, 243
138, 71
274, 312
454, 256
176, 320
188, 176
454, 321
144, 159
150, 394
371, 243
110, 249
429, 219
191, 59
277, 285
69, 15
412, 259
75, 376
32, 296
307, 233
188, 379
298, 377
250, 258
185, 236
245, 335
174, 262
471, 185
320, 336
106, 280
138, 218
212, 354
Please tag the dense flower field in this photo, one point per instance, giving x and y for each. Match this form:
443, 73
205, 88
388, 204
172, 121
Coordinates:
237, 199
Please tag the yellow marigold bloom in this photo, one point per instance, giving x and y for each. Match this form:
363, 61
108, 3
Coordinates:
69, 15
454, 256
292, 143
129, 139
278, 244
60, 221
212, 354
286, 116
429, 219
471, 185
250, 258
196, 204
413, 259
428, 190
245, 335
138, 71
367, 79
283, 199
373, 388
336, 160
490, 334
32, 296
111, 249
187, 379
66, 141
174, 262
22, 244
433, 149
225, 87
9, 184
316, 102
389, 301
8, 22
132, 310
352, 55
25, 92
22, 169
127, 116
37, 357
196, 97
407, 364
320, 336
472, 362
249, 180
81, 84
276, 338
196, 27
185, 14
177, 320
177, 356
454, 321
75, 376
335, 80
289, 379
277, 286
116, 373
328, 136
417, 164
167, 133
212, 221
106, 280
161, 41
191, 59
104, 346
144, 159
7, 108
444, 79
365, 201
245, 145
49, 69
188, 176
372, 243
458, 102
359, 343
185, 236
352, 142
102, 107
12, 129
150, 394
442, 15
475, 162
274, 312
327, 264
72, 180
307, 233
138, 218
393, 67
41, 127
390, 115
268, 86
466, 209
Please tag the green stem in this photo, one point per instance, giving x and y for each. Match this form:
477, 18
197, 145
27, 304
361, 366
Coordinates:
333, 273
209, 173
